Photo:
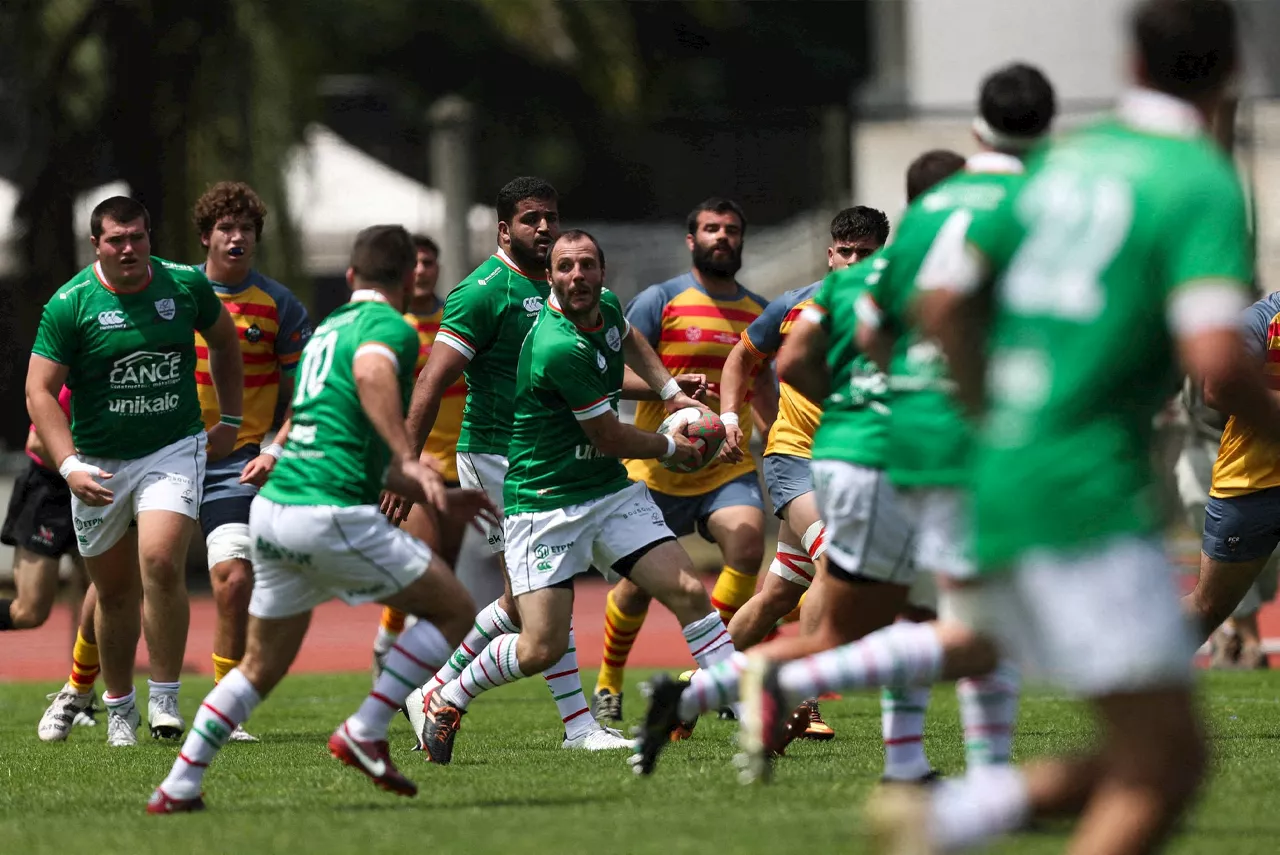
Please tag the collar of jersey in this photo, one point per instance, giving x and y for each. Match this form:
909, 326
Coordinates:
502, 256
693, 280
554, 305
367, 295
222, 287
1148, 110
993, 163
102, 278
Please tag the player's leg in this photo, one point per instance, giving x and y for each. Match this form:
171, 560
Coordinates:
73, 703
734, 519
35, 577
1240, 534
224, 517
789, 576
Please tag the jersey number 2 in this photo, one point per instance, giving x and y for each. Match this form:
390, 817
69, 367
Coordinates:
317, 360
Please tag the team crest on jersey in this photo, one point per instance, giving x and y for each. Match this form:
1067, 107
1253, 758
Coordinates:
166, 308
693, 334
614, 339
253, 334
533, 305
600, 360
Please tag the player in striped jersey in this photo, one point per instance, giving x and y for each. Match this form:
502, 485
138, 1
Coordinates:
693, 321
273, 328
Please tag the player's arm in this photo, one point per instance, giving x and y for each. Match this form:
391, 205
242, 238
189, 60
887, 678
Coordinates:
643, 363
738, 365
1205, 320
875, 337
471, 320
615, 438
802, 361
227, 369
376, 371
764, 401
444, 366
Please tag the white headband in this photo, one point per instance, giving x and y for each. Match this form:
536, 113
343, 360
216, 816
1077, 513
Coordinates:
999, 140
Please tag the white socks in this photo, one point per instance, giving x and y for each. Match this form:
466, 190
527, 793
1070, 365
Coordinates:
227, 706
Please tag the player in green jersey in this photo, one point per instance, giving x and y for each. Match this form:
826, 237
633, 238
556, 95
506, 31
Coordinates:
121, 336
868, 574
1125, 249
318, 533
569, 502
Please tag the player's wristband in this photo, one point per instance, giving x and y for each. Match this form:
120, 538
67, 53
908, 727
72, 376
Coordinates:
729, 419
671, 448
275, 450
669, 389
233, 421
75, 464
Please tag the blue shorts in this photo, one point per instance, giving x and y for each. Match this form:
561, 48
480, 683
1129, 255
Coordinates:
226, 500
786, 477
1242, 528
687, 514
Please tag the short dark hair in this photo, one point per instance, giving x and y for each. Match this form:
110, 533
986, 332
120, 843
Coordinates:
858, 222
228, 199
517, 190
122, 209
930, 168
383, 255
716, 205
421, 242
578, 234
1017, 100
1188, 47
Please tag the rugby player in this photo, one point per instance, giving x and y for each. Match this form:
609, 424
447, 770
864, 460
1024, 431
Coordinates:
318, 533
121, 335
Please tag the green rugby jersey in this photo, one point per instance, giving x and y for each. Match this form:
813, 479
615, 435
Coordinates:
131, 357
566, 375
486, 319
333, 455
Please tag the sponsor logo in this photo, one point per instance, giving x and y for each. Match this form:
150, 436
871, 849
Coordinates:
302, 434
253, 334
112, 320
82, 539
144, 369
87, 525
600, 361
375, 768
43, 536
484, 280
614, 339
542, 551
533, 305
141, 405
166, 308
543, 567
369, 591
494, 538
586, 452
693, 334
188, 497
1233, 542
276, 552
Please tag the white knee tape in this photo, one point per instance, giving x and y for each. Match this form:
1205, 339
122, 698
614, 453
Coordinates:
226, 542
815, 540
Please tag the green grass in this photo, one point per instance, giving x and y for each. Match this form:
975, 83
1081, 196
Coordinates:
512, 790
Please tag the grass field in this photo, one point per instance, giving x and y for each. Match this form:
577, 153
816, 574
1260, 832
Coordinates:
511, 789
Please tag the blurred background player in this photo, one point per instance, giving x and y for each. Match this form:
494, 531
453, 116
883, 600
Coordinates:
272, 327
855, 234
693, 322
121, 336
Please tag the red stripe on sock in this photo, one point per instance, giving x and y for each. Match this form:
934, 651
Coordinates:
76, 663
414, 659
561, 674
570, 718
465, 692
231, 724
723, 634
614, 663
381, 697
185, 759
904, 740
485, 671
470, 652
610, 629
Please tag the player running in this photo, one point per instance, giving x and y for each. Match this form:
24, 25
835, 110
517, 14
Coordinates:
120, 335
319, 535
484, 323
855, 234
272, 326
569, 503
1127, 247
693, 322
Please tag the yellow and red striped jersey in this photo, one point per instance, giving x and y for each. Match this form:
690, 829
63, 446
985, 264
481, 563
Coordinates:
1247, 460
273, 328
442, 444
798, 417
693, 332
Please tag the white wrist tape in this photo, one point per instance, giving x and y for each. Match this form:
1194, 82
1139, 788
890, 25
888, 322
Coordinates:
671, 448
274, 450
670, 389
75, 464
729, 419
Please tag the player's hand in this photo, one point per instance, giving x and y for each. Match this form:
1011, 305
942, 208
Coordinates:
87, 489
693, 385
472, 507
408, 477
687, 454
255, 472
731, 450
221, 441
395, 508
681, 401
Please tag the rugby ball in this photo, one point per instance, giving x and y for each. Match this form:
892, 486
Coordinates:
704, 429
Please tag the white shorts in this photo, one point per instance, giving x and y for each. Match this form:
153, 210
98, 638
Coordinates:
546, 548
1097, 622
171, 479
868, 530
485, 472
940, 520
305, 555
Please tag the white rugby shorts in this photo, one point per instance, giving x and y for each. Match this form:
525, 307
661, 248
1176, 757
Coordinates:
305, 555
869, 533
170, 479
940, 521
485, 472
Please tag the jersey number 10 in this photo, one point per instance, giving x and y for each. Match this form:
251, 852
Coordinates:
317, 360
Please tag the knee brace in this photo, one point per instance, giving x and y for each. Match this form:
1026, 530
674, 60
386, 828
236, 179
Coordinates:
227, 542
